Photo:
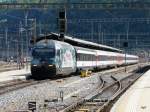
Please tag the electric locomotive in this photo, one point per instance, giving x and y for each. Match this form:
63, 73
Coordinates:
51, 58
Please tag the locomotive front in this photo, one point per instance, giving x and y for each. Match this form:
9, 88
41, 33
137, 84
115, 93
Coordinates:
43, 62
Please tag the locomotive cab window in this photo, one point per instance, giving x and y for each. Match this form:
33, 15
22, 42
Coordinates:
43, 52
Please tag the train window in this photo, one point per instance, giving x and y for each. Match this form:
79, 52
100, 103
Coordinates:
90, 57
102, 58
86, 57
108, 58
94, 58
105, 58
78, 57
113, 57
99, 58
83, 57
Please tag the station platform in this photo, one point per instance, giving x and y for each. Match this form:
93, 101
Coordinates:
136, 98
14, 74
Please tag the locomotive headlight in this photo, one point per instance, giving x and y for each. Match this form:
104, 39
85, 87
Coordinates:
34, 65
50, 65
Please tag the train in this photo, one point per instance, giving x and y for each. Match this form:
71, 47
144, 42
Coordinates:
51, 58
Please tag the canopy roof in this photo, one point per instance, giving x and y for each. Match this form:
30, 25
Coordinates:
77, 42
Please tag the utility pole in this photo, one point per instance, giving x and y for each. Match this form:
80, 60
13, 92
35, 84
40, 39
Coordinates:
26, 19
92, 31
102, 37
114, 42
6, 41
1, 47
21, 38
99, 32
27, 47
127, 31
40, 30
125, 45
136, 43
4, 51
119, 41
34, 25
27, 39
20, 46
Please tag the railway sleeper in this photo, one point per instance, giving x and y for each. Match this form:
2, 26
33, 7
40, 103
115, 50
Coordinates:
94, 103
100, 100
82, 110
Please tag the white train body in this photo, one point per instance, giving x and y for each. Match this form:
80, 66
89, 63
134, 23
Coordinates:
89, 58
51, 58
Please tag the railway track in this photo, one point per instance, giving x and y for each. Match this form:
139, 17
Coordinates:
95, 99
99, 96
14, 85
18, 84
103, 96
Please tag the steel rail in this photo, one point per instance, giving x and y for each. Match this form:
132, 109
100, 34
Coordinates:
114, 95
102, 103
87, 99
18, 84
81, 101
120, 91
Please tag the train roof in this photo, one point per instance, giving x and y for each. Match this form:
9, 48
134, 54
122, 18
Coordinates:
78, 42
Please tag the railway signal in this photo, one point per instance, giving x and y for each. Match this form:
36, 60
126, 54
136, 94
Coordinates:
62, 23
125, 44
32, 106
61, 95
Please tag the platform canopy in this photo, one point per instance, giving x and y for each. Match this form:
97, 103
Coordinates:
77, 42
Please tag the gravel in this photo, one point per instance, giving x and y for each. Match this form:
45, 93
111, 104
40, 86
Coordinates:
74, 88
18, 100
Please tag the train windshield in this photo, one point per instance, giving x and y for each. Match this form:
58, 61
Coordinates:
44, 53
